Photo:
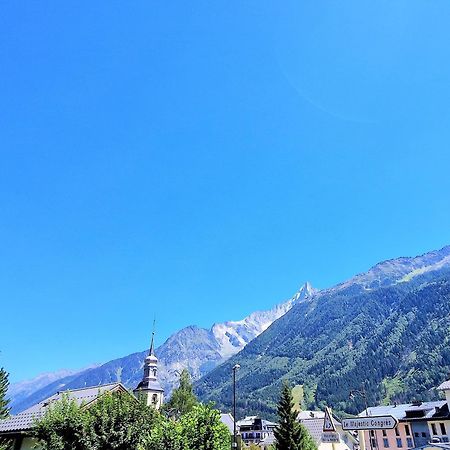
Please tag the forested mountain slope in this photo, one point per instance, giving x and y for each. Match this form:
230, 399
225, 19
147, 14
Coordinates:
389, 327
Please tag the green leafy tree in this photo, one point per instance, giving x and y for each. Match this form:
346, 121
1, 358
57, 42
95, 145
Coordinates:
4, 385
202, 429
306, 442
290, 434
119, 421
4, 402
183, 398
167, 435
114, 421
63, 427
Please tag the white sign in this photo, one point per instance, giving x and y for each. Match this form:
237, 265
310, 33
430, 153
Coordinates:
330, 437
370, 423
328, 424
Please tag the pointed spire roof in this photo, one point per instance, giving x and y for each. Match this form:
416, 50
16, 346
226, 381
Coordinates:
151, 352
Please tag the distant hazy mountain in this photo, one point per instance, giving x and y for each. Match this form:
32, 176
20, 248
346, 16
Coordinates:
28, 392
389, 327
197, 349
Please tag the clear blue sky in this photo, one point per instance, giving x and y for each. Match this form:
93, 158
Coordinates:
195, 161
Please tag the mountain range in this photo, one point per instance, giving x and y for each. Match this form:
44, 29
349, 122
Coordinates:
198, 349
388, 328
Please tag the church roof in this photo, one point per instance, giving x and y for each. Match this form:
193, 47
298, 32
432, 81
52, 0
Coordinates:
85, 396
152, 385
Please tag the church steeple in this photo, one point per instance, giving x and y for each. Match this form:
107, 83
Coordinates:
149, 388
152, 344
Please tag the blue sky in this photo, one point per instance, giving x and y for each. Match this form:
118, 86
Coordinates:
195, 161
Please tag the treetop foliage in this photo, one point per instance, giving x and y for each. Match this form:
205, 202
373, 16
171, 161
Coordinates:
4, 401
119, 421
4, 385
183, 399
290, 434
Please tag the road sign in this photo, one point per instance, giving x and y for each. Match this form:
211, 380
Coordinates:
328, 424
330, 437
370, 423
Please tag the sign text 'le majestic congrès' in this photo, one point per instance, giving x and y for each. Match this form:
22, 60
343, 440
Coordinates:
370, 423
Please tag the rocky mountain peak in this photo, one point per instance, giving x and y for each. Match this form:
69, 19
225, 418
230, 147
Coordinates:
305, 292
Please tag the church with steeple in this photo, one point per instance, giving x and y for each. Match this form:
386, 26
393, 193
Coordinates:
19, 428
149, 389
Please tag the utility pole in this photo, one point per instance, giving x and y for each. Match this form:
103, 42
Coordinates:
234, 443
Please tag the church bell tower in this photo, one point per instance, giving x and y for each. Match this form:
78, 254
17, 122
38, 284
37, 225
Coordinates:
149, 388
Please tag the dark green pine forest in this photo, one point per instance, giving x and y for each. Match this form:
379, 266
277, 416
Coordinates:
396, 339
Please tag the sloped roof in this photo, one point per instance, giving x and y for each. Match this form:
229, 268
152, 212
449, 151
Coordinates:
250, 421
84, 396
151, 385
315, 428
399, 411
445, 386
304, 415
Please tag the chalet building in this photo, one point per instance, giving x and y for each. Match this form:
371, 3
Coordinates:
18, 427
257, 431
420, 424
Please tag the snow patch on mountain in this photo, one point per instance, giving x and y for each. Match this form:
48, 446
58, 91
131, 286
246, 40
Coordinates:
233, 336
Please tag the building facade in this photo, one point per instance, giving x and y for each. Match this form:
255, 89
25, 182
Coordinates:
419, 424
255, 430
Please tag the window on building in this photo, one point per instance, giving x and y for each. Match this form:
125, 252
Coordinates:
408, 431
374, 443
424, 434
384, 433
416, 434
399, 443
397, 432
386, 442
409, 443
433, 429
372, 433
443, 430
